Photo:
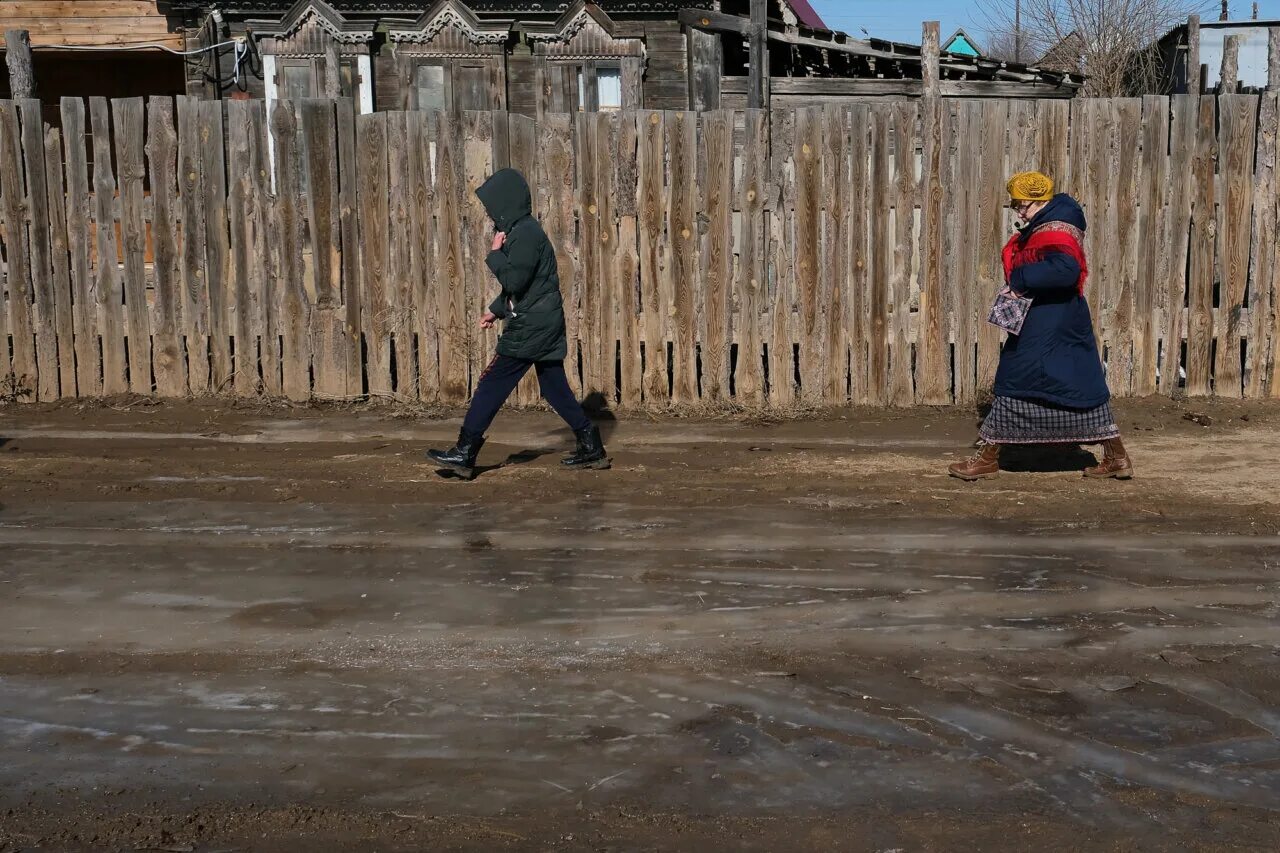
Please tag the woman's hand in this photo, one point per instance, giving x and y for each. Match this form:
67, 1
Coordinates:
488, 319
499, 240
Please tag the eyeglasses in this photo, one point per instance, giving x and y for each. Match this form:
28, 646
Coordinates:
1020, 207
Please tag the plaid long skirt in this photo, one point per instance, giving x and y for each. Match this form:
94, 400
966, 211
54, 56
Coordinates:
1013, 420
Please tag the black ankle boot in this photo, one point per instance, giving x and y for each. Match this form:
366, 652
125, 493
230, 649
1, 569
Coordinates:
461, 458
590, 452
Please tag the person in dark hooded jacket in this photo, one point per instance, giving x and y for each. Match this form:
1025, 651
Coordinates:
1049, 387
523, 260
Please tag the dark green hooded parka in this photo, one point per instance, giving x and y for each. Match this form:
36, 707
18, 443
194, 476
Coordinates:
525, 266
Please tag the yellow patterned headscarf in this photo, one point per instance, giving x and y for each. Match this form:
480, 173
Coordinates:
1030, 186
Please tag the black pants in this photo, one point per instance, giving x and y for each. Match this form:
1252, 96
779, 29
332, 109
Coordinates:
502, 376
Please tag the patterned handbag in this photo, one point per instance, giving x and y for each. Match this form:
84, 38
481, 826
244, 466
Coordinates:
1009, 311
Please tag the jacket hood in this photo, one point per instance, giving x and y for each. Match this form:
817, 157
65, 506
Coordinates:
506, 198
1061, 208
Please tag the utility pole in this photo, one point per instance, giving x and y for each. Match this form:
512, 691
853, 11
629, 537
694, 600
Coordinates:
1226, 11
1017, 31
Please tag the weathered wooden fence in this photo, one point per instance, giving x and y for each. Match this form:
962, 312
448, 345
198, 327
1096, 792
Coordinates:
840, 255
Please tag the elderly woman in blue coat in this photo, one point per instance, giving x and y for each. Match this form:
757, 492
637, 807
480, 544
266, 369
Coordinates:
1049, 388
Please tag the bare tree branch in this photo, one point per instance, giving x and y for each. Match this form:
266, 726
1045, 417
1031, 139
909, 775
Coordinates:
1112, 41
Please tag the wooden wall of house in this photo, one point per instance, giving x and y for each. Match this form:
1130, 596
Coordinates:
666, 79
523, 91
665, 83
54, 23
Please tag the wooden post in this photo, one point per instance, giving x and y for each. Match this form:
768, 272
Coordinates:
1193, 55
933, 385
1229, 78
332, 72
929, 59
758, 86
22, 80
1273, 59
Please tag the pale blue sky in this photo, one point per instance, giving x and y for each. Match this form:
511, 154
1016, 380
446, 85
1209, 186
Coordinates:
900, 20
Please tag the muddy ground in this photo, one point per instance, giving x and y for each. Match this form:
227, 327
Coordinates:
249, 627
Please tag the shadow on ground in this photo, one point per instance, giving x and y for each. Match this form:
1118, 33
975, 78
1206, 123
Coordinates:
1045, 458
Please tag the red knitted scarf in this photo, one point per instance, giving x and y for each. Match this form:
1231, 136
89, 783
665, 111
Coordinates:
1044, 240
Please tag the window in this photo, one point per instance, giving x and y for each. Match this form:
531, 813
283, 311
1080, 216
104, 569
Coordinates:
471, 88
297, 79
428, 88
609, 88
451, 84
599, 88
303, 78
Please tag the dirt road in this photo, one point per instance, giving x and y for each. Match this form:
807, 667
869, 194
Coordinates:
276, 629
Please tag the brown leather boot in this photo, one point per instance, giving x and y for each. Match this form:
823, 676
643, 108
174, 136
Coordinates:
1115, 462
981, 466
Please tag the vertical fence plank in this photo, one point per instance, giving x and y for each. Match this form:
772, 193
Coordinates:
245, 352
1203, 225
422, 260
501, 150
24, 377
809, 262
1054, 118
371, 133
627, 296
1124, 269
162, 152
718, 143
130, 124
1238, 130
905, 189
83, 284
965, 229
932, 374
1263, 267
110, 301
62, 323
582, 303
262, 280
992, 172
650, 156
1151, 229
1101, 217
318, 137
195, 304
41, 258
400, 255
450, 292
782, 366
750, 279
293, 304
881, 254
836, 173
478, 230
859, 251
522, 147
213, 176
682, 227
1185, 110
349, 235
605, 313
